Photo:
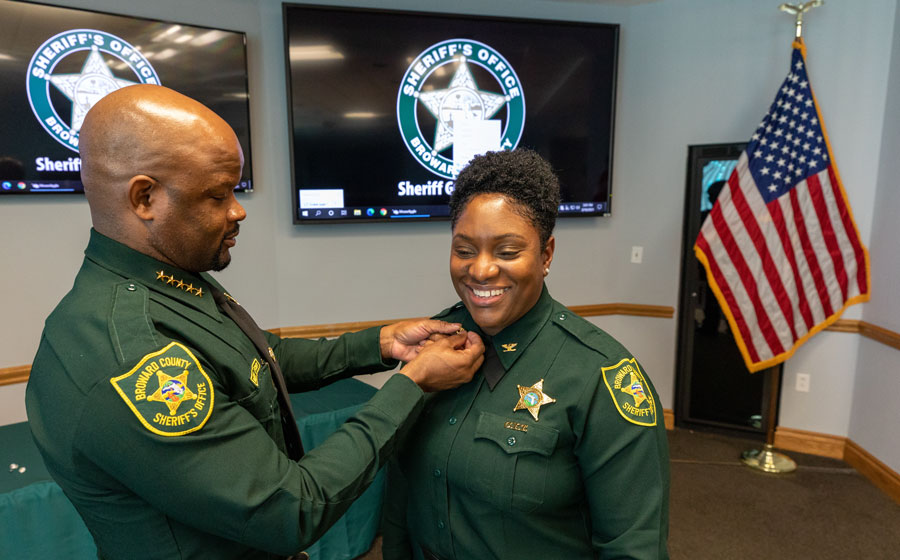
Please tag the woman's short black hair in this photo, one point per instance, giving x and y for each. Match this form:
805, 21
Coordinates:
522, 176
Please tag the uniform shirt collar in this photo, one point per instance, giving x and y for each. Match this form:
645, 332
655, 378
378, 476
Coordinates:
168, 280
511, 342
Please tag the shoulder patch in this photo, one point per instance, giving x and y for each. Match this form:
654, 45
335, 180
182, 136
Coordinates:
168, 391
630, 392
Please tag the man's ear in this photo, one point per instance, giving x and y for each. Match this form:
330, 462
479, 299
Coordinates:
143, 191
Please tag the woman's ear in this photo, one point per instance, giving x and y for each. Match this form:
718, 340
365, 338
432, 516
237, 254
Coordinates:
547, 254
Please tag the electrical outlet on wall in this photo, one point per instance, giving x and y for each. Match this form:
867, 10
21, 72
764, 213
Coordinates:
802, 383
637, 254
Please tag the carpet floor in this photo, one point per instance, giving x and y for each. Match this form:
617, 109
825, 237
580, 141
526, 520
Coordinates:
723, 510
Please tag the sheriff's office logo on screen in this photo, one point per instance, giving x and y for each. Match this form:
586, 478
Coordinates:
469, 115
106, 53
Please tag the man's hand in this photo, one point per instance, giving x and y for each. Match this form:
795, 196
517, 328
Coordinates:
402, 341
446, 363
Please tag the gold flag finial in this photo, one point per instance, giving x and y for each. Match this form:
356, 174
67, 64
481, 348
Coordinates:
798, 10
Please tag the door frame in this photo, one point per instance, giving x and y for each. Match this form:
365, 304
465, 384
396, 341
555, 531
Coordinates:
698, 156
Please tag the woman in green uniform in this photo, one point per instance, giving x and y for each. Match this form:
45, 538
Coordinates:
556, 449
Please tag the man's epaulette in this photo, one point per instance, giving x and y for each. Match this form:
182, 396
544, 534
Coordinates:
130, 323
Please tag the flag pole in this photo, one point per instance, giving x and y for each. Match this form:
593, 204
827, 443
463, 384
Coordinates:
767, 459
798, 10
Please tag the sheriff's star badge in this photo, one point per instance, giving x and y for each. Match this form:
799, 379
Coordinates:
532, 398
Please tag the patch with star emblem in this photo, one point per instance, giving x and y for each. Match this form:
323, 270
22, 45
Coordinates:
630, 392
532, 398
168, 391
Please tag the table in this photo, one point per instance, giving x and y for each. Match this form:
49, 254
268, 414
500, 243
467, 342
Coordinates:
38, 521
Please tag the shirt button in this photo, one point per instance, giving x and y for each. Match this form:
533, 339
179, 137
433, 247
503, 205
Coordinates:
452, 420
511, 440
562, 316
440, 524
437, 472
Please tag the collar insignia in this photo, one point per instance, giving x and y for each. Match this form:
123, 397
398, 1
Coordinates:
254, 371
511, 347
532, 398
170, 280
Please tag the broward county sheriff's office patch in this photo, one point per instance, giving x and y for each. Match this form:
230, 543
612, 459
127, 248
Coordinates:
168, 391
630, 392
442, 81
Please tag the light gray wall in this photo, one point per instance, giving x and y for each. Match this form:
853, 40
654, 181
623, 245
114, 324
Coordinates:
691, 71
875, 414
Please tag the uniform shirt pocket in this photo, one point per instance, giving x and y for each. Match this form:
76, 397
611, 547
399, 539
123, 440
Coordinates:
259, 398
508, 461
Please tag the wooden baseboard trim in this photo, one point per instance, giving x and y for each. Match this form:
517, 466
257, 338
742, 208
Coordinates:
669, 418
868, 330
633, 309
837, 447
880, 334
327, 331
596, 310
19, 374
870, 467
823, 445
15, 374
845, 325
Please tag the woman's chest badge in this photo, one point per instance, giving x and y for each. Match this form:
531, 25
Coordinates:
531, 398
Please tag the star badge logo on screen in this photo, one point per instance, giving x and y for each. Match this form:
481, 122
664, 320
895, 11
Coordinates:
168, 391
84, 88
471, 114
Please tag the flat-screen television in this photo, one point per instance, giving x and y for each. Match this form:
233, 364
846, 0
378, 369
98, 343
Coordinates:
387, 106
56, 62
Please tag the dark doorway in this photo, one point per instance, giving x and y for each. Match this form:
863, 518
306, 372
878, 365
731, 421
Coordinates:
713, 386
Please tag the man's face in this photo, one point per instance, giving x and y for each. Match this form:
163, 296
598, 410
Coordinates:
200, 217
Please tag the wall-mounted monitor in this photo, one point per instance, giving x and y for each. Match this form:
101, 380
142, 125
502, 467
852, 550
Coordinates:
386, 107
56, 62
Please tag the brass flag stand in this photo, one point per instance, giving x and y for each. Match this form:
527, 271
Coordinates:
767, 459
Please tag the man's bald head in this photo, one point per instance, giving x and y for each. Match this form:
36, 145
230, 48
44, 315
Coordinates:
150, 158
142, 130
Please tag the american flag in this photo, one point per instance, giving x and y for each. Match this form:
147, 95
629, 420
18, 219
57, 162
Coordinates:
781, 250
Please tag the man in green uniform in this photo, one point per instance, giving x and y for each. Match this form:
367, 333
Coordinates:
158, 405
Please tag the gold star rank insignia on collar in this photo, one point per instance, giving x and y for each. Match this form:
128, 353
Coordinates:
532, 398
170, 280
510, 347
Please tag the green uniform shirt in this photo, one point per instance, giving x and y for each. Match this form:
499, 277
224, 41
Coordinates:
480, 477
158, 417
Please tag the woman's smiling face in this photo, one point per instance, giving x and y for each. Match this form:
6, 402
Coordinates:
497, 262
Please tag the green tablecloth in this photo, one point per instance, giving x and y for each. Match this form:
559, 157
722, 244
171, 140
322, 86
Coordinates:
38, 521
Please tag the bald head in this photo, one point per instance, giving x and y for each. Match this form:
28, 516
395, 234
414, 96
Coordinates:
159, 171
143, 130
